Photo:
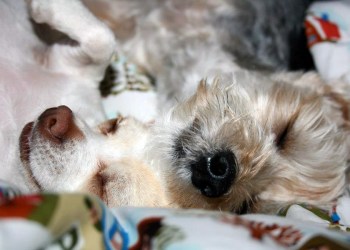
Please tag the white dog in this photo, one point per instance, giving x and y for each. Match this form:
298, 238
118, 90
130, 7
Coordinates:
36, 76
59, 152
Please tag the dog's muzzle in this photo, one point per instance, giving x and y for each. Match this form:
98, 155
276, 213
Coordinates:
57, 125
214, 174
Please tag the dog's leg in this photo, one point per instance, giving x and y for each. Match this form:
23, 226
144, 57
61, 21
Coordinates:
95, 42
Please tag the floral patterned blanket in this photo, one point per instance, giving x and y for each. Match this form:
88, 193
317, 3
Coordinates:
80, 221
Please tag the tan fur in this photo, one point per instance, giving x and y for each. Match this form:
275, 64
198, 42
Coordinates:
286, 130
127, 182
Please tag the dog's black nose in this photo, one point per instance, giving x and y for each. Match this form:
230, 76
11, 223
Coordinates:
214, 174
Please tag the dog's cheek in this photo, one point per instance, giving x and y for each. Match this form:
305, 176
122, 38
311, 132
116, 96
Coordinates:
95, 183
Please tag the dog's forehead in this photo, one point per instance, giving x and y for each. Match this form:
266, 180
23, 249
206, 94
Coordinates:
219, 124
214, 102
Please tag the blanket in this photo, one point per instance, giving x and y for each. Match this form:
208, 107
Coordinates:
328, 32
81, 221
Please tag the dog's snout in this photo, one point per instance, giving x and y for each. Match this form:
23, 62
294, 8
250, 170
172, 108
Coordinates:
57, 121
214, 174
57, 124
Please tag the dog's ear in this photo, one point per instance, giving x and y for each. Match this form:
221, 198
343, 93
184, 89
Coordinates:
202, 87
110, 126
335, 91
201, 93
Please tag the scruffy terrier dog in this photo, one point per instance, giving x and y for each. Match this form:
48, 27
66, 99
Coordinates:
257, 144
241, 141
250, 140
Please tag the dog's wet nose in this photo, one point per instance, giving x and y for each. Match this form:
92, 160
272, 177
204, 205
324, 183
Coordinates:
214, 174
57, 124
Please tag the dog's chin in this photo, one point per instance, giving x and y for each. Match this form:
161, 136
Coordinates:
187, 196
238, 207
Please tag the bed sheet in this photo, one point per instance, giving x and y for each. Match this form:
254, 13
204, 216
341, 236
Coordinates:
81, 221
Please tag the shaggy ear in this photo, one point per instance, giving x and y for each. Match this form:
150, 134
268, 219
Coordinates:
336, 91
202, 92
110, 126
310, 80
202, 87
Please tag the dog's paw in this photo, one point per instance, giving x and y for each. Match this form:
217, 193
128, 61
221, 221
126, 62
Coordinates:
96, 42
40, 10
53, 11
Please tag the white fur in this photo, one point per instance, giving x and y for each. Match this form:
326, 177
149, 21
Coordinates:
35, 76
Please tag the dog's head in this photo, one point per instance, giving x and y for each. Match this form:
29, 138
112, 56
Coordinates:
59, 152
272, 138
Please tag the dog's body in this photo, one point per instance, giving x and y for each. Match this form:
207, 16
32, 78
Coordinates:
36, 76
246, 140
181, 42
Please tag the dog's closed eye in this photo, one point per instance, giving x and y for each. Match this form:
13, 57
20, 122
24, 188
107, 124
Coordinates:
111, 126
283, 134
282, 137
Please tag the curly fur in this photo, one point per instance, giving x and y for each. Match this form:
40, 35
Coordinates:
287, 132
